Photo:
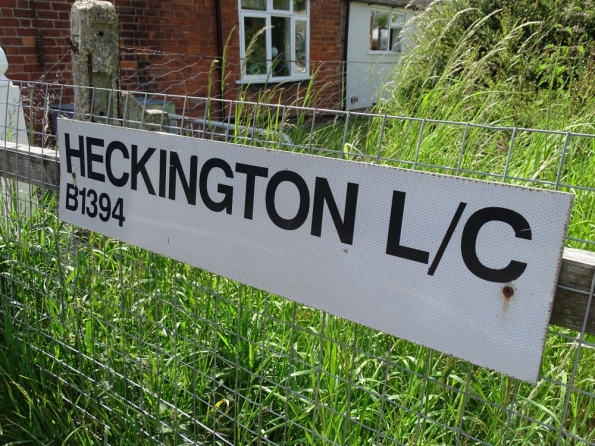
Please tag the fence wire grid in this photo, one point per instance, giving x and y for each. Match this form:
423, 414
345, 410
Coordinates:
332, 84
140, 349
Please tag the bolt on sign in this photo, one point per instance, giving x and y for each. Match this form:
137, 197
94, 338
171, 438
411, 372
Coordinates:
462, 266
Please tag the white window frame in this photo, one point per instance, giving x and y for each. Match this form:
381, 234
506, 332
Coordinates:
267, 14
392, 25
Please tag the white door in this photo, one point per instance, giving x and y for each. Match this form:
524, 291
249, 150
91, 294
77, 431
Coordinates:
373, 50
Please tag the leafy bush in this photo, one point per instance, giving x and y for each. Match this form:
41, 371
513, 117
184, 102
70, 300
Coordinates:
499, 61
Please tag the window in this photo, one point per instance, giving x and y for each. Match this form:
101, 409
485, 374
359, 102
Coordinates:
385, 30
274, 41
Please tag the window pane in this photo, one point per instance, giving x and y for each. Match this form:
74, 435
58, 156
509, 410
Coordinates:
379, 30
301, 40
398, 19
396, 27
299, 7
255, 45
281, 49
395, 39
259, 5
281, 5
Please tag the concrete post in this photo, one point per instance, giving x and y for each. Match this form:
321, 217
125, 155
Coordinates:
96, 63
12, 119
12, 129
95, 60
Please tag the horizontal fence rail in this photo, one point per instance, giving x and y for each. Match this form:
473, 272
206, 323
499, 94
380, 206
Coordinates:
122, 345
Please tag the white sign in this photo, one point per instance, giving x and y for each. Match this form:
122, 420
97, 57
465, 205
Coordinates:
462, 266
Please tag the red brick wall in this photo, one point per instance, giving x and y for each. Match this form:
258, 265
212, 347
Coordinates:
32, 36
166, 46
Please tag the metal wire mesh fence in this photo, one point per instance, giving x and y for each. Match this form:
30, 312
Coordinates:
332, 85
139, 349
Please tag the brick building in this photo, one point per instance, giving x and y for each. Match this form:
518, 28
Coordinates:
199, 47
190, 47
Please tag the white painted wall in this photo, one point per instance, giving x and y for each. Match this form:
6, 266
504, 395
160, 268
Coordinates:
368, 71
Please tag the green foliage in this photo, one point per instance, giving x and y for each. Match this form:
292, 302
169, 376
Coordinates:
544, 30
499, 61
104, 343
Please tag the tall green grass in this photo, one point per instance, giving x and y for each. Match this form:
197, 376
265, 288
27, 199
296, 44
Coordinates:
104, 343
525, 64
